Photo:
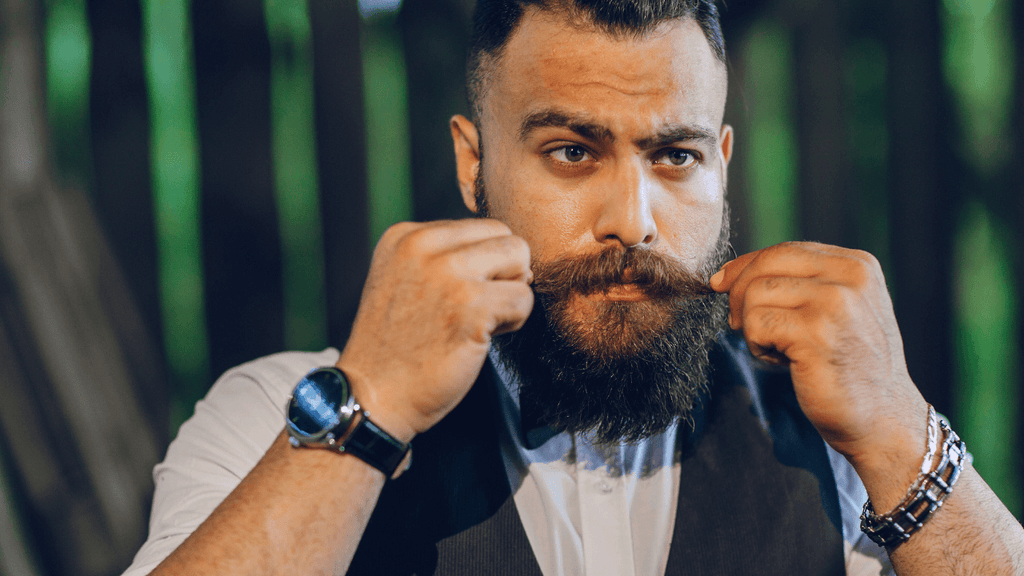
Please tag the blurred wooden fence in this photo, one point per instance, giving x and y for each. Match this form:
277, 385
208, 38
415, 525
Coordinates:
859, 134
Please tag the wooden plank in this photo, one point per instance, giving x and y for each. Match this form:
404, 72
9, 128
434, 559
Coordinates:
341, 138
1016, 189
123, 195
241, 245
736, 21
824, 167
436, 35
923, 185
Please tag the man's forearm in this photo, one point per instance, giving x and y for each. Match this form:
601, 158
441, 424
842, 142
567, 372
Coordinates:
973, 533
284, 518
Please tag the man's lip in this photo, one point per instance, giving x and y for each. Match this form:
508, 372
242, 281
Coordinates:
624, 293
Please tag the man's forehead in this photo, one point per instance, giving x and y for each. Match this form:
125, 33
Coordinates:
669, 75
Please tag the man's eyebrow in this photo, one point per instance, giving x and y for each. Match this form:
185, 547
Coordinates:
676, 134
554, 118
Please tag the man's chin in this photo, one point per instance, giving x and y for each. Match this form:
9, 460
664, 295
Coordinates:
611, 326
614, 371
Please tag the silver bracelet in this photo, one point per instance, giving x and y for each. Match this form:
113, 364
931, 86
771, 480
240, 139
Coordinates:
925, 496
934, 437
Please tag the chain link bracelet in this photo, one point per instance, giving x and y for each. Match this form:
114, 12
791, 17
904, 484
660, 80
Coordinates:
925, 496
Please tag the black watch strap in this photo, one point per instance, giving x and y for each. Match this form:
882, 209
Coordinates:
373, 445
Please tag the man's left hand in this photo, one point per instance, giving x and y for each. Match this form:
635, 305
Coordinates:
826, 312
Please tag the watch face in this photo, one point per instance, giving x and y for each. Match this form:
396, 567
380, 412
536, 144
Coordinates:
316, 400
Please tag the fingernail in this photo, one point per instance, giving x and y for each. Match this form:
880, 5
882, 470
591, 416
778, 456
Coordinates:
717, 278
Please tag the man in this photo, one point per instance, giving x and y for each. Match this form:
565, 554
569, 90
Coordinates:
612, 430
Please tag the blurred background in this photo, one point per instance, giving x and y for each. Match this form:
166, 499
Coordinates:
185, 186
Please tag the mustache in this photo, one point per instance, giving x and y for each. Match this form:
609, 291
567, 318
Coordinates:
659, 276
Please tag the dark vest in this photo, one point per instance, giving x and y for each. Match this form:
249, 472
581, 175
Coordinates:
757, 495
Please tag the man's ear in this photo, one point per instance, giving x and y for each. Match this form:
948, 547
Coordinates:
467, 158
725, 140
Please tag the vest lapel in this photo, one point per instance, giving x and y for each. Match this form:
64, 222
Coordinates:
457, 480
751, 500
497, 547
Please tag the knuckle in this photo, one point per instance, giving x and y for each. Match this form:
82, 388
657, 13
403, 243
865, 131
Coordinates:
450, 263
764, 321
874, 267
763, 290
462, 293
851, 299
869, 259
480, 314
822, 332
839, 301
476, 295
418, 236
497, 227
520, 307
413, 241
518, 251
766, 284
833, 294
476, 328
524, 299
793, 245
396, 232
392, 249
859, 273
519, 246
391, 238
863, 269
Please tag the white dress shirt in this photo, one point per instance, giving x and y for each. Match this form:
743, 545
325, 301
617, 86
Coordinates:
594, 510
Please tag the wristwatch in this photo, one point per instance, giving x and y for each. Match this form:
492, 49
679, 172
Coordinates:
322, 413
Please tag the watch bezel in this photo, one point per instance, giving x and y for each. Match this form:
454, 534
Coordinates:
345, 412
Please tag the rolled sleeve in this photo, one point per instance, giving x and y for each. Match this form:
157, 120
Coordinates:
231, 430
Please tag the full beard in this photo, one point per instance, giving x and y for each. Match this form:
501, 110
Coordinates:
616, 370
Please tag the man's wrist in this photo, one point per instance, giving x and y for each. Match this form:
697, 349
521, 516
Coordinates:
323, 412
376, 406
889, 469
925, 496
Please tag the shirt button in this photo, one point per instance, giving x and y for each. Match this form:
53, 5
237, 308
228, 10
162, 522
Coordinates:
604, 487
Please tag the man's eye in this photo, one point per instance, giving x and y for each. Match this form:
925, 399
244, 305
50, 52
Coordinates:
677, 157
571, 154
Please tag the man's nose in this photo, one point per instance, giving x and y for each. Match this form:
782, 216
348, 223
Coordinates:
627, 215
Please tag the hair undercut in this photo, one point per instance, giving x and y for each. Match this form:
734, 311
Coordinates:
494, 21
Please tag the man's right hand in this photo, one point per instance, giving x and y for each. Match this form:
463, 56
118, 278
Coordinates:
435, 295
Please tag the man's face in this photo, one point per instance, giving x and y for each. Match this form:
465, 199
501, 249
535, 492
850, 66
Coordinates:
595, 144
594, 141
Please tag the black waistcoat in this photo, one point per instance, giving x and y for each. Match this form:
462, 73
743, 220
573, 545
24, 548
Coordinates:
757, 495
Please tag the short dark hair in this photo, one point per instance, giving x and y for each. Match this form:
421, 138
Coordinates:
495, 20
